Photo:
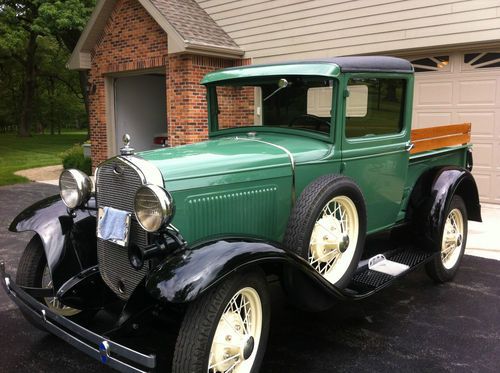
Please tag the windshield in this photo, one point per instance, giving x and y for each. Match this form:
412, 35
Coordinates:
289, 102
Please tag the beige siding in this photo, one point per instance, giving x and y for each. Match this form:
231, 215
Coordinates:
292, 29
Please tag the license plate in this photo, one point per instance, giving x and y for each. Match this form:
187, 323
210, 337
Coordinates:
113, 225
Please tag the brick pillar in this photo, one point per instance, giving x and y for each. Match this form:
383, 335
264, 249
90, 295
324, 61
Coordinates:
186, 99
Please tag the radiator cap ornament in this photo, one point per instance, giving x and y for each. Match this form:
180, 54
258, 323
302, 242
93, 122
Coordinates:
126, 149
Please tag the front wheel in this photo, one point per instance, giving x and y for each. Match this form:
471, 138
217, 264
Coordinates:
451, 243
33, 271
226, 329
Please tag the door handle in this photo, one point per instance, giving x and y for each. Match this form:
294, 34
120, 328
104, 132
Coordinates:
409, 146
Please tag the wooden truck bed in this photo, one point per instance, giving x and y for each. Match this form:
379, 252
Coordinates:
431, 138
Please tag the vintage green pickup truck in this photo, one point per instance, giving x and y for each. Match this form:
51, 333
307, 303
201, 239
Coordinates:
311, 175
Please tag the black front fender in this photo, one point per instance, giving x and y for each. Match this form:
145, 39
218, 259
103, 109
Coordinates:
185, 275
60, 233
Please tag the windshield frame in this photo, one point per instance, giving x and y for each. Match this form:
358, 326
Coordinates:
214, 131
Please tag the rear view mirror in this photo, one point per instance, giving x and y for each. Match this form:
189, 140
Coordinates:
282, 83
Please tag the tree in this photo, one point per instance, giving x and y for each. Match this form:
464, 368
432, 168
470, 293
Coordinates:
19, 41
66, 20
23, 23
58, 99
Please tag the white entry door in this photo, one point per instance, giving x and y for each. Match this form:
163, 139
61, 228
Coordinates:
140, 110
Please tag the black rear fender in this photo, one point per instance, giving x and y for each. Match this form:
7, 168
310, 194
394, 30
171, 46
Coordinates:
432, 195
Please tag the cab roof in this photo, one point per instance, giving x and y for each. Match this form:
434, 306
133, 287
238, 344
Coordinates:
328, 67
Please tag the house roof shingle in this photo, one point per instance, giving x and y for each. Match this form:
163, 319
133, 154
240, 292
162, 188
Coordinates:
193, 23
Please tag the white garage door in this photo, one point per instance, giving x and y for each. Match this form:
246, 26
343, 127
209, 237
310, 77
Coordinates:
464, 87
140, 109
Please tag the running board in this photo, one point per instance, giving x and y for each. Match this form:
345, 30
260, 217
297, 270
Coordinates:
366, 281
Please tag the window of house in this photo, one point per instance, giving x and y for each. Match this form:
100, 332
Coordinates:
432, 63
481, 60
374, 107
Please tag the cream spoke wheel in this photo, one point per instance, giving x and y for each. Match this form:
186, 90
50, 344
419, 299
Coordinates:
334, 238
453, 233
225, 330
238, 334
327, 228
53, 303
448, 242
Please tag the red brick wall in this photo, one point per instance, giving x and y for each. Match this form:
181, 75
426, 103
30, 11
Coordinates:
236, 106
131, 40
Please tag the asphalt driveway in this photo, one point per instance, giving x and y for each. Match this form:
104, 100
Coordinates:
415, 326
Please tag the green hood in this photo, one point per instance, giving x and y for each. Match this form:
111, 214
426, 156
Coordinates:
221, 160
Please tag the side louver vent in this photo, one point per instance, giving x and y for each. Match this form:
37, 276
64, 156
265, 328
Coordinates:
239, 212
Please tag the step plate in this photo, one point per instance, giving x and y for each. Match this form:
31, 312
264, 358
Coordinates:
367, 280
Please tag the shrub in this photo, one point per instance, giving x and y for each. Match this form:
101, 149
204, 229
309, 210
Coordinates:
73, 158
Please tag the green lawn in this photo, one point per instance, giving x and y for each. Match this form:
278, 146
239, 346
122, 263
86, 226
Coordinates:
18, 153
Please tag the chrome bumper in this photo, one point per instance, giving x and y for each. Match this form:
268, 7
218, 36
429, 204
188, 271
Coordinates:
100, 348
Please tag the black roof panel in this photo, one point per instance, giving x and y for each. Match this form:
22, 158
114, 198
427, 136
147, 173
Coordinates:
370, 63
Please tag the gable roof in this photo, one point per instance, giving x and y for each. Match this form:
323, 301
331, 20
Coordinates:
193, 23
188, 26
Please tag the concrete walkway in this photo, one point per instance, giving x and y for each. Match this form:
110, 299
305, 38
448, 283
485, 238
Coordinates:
47, 175
483, 240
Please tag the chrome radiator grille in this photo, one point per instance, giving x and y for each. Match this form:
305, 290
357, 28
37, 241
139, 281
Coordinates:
116, 184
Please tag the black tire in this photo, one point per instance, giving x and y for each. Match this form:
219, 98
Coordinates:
307, 211
30, 273
197, 332
436, 268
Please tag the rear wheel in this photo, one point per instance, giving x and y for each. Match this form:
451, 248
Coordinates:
226, 329
33, 271
451, 243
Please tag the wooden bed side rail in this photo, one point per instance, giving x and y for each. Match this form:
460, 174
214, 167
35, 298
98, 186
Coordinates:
439, 137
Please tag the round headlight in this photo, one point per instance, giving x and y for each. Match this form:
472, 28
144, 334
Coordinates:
74, 187
153, 207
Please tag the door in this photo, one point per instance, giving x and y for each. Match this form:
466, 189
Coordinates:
374, 138
140, 110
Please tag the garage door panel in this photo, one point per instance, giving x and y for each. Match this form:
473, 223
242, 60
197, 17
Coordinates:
435, 94
477, 92
483, 182
429, 119
497, 189
483, 156
496, 149
483, 123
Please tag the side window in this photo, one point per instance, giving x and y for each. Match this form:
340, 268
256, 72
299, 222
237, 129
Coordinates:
374, 107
